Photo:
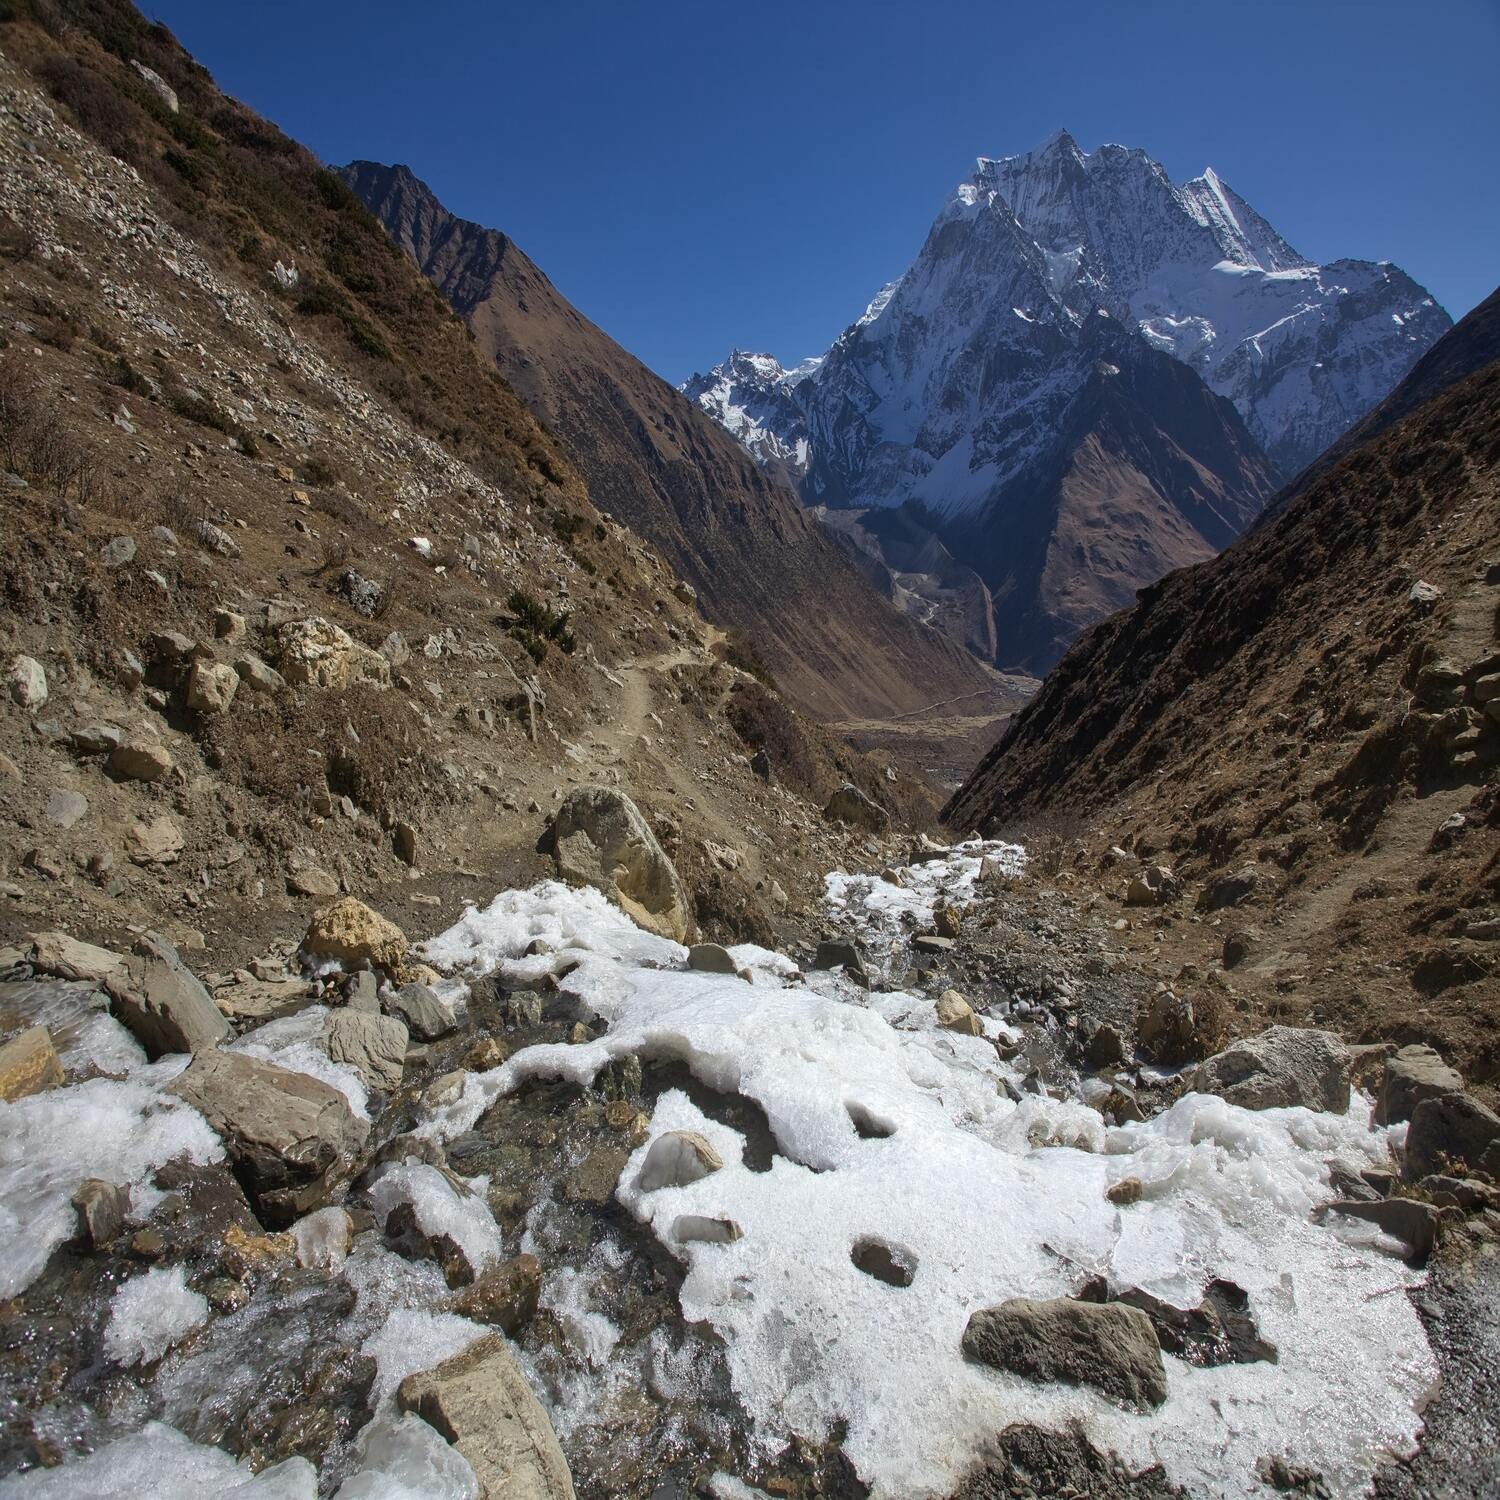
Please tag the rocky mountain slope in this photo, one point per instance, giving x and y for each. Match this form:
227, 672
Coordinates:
653, 460
967, 388
1308, 728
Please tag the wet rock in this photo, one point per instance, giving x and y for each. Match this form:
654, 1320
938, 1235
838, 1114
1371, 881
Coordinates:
505, 1296
294, 1140
1153, 885
160, 1001
426, 1016
362, 992
481, 1403
895, 1265
1221, 1330
1414, 1224
211, 687
1229, 890
102, 1208
488, 1052
1107, 1346
374, 1046
710, 958
68, 958
353, 935
29, 1065
139, 758
593, 1179
599, 838
676, 1159
954, 1013
258, 1000
1415, 1073
316, 653
26, 682
1450, 1130
691, 1229
158, 842
850, 805
1282, 1067
836, 953
406, 1234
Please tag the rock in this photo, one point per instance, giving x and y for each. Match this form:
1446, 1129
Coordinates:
395, 650
836, 953
486, 1053
404, 842
424, 1014
954, 1013
1452, 1130
1154, 885
710, 958
1108, 1346
316, 653
354, 936
1236, 948
1221, 1330
931, 942
1229, 890
480, 1402
676, 1159
311, 880
229, 625
362, 992
689, 1229
293, 1139
102, 1208
215, 539
593, 1180
599, 838
27, 682
157, 998
263, 999
947, 920
374, 1046
924, 850
760, 764
1126, 1191
1415, 1073
1423, 593
1284, 1066
1105, 1047
139, 758
118, 552
65, 807
172, 647
96, 739
1414, 1224
257, 676
29, 1065
158, 842
1173, 1029
211, 687
57, 953
505, 1296
850, 805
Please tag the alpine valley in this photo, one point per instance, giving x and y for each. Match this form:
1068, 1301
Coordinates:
1088, 377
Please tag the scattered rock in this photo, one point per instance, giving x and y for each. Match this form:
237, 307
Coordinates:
211, 687
930, 942
311, 880
1107, 1346
1415, 1073
374, 1046
1229, 890
850, 805
27, 682
895, 1265
65, 807
505, 1296
57, 953
480, 1402
1414, 1224
1154, 885
599, 838
1104, 1047
102, 1208
1173, 1029
139, 758
316, 653
425, 1015
229, 626
947, 921
158, 842
1282, 1067
710, 958
293, 1139
1452, 1130
353, 936
676, 1159
836, 953
257, 676
158, 999
215, 539
117, 552
954, 1013
29, 1065
404, 842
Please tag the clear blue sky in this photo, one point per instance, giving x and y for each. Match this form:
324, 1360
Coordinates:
696, 176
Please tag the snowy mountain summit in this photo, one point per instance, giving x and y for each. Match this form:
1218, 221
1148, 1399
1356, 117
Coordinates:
1044, 240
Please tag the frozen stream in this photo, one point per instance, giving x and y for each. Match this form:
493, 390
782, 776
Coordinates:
886, 1129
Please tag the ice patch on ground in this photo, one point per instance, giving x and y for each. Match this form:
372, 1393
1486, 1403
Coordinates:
987, 1199
404, 1459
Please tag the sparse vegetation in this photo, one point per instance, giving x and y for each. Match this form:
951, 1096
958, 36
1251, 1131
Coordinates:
536, 625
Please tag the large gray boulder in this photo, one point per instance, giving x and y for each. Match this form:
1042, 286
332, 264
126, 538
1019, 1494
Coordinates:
159, 1000
373, 1045
1415, 1073
420, 1010
852, 806
1106, 1345
293, 1140
1283, 1067
599, 838
1450, 1130
479, 1400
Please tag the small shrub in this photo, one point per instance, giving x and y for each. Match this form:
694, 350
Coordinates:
319, 474
536, 625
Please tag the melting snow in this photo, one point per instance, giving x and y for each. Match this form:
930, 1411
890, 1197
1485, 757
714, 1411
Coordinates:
149, 1314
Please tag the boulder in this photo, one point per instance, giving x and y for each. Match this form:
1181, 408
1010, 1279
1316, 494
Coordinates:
211, 687
1152, 885
260, 1000
480, 1402
29, 1065
1229, 890
1450, 1130
425, 1015
1173, 1029
1414, 1224
257, 676
947, 920
317, 653
836, 953
1415, 1073
102, 1208
1104, 1047
710, 958
599, 838
353, 936
676, 1159
374, 1046
1282, 1067
27, 682
850, 805
57, 953
138, 757
311, 880
954, 1013
158, 842
293, 1139
1105, 1345
505, 1296
159, 1000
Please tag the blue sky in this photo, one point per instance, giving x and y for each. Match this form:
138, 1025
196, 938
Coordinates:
696, 176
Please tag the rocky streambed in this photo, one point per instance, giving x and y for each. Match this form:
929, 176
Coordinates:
555, 1204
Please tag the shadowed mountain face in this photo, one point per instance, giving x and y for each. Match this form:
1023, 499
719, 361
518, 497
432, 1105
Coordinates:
760, 563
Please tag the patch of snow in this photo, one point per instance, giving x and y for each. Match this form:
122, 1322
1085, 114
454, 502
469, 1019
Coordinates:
440, 1209
402, 1458
151, 1313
